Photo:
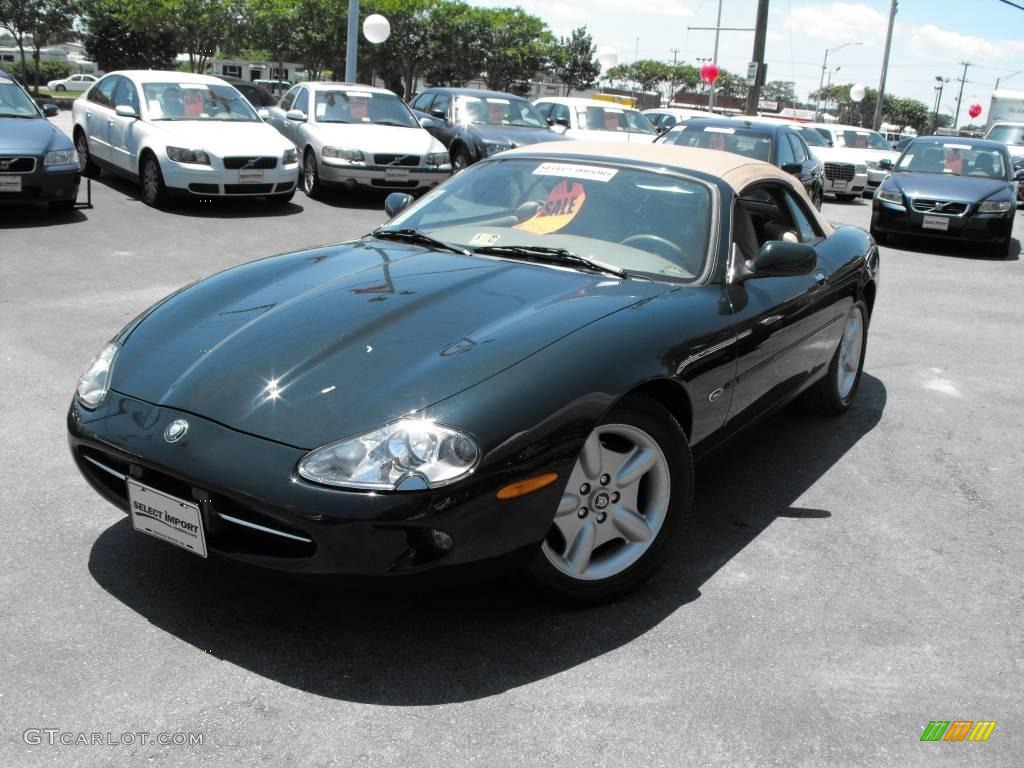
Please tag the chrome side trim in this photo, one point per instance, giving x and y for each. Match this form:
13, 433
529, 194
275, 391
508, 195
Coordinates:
263, 528
711, 350
105, 468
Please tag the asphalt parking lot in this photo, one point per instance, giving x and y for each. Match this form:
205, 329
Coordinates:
844, 583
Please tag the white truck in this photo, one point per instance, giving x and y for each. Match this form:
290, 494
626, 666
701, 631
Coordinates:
1006, 107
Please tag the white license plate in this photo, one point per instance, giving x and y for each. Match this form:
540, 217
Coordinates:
250, 176
839, 185
10, 183
396, 174
167, 518
935, 222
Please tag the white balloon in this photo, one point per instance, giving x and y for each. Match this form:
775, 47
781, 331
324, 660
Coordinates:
607, 57
857, 92
376, 28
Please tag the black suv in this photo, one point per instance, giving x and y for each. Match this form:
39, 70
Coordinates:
475, 124
37, 160
775, 143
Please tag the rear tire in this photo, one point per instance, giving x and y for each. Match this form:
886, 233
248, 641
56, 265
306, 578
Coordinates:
60, 88
834, 393
151, 181
460, 161
86, 165
627, 497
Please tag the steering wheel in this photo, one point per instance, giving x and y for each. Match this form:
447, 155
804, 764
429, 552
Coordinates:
663, 246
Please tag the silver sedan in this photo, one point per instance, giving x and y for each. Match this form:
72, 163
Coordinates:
353, 136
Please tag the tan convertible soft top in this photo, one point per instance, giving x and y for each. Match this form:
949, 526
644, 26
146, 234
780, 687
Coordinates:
737, 171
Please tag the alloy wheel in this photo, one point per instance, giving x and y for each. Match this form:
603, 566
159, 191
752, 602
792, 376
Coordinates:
849, 353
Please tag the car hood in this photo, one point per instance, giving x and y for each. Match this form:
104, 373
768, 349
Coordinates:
225, 138
513, 134
372, 138
311, 347
34, 136
944, 186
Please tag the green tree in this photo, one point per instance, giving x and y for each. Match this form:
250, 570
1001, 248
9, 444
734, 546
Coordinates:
455, 20
516, 47
782, 91
126, 34
400, 58
319, 29
271, 25
731, 84
575, 61
683, 77
647, 74
201, 26
18, 17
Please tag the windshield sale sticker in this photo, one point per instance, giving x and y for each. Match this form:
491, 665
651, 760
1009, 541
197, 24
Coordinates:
564, 202
592, 172
193, 102
484, 238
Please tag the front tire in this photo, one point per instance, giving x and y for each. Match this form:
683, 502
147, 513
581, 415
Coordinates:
627, 496
310, 176
86, 165
460, 161
60, 88
154, 193
818, 199
834, 394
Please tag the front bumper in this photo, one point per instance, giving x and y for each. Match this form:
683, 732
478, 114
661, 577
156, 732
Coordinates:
875, 177
44, 184
844, 186
381, 176
980, 227
235, 477
215, 181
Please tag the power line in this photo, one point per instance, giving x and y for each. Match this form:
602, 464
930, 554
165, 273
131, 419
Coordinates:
1013, 5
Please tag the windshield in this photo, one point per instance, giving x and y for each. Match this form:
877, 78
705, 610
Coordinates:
619, 119
864, 140
196, 101
575, 206
748, 142
812, 137
341, 105
493, 110
952, 158
14, 102
1008, 134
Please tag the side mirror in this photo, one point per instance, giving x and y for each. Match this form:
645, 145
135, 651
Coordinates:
885, 164
426, 122
51, 110
123, 110
793, 168
563, 121
263, 113
297, 115
440, 114
781, 258
396, 202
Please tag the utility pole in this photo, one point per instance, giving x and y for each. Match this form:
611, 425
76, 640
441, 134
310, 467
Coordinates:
938, 99
714, 59
760, 33
963, 79
885, 68
352, 42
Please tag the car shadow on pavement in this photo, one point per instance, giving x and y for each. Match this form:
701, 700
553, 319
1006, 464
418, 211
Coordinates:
407, 648
28, 216
211, 208
959, 250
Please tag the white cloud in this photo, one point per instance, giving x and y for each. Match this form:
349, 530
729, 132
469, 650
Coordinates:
839, 22
939, 43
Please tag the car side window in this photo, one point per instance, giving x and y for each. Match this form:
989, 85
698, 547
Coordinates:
785, 150
544, 109
763, 214
126, 95
560, 112
302, 101
442, 102
799, 151
103, 92
825, 135
422, 102
806, 228
289, 98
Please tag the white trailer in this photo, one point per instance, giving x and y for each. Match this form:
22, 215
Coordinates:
1006, 107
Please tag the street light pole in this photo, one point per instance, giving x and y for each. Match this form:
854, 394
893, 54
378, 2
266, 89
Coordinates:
714, 57
1012, 74
885, 68
352, 41
821, 82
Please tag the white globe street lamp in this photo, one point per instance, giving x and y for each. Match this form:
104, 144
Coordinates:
607, 57
376, 28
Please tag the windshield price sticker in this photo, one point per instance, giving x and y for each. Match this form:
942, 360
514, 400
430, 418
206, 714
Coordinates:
484, 238
193, 102
591, 172
359, 109
564, 202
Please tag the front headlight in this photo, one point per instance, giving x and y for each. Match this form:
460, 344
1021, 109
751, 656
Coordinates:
438, 159
890, 196
93, 384
428, 454
182, 155
493, 148
994, 206
290, 156
860, 169
338, 153
61, 157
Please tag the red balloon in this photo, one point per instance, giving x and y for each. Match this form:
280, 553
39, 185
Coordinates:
975, 110
709, 73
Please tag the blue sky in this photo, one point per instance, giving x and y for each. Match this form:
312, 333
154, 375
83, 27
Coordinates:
930, 38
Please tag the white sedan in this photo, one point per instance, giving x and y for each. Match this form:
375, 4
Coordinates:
352, 136
74, 83
593, 120
181, 134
